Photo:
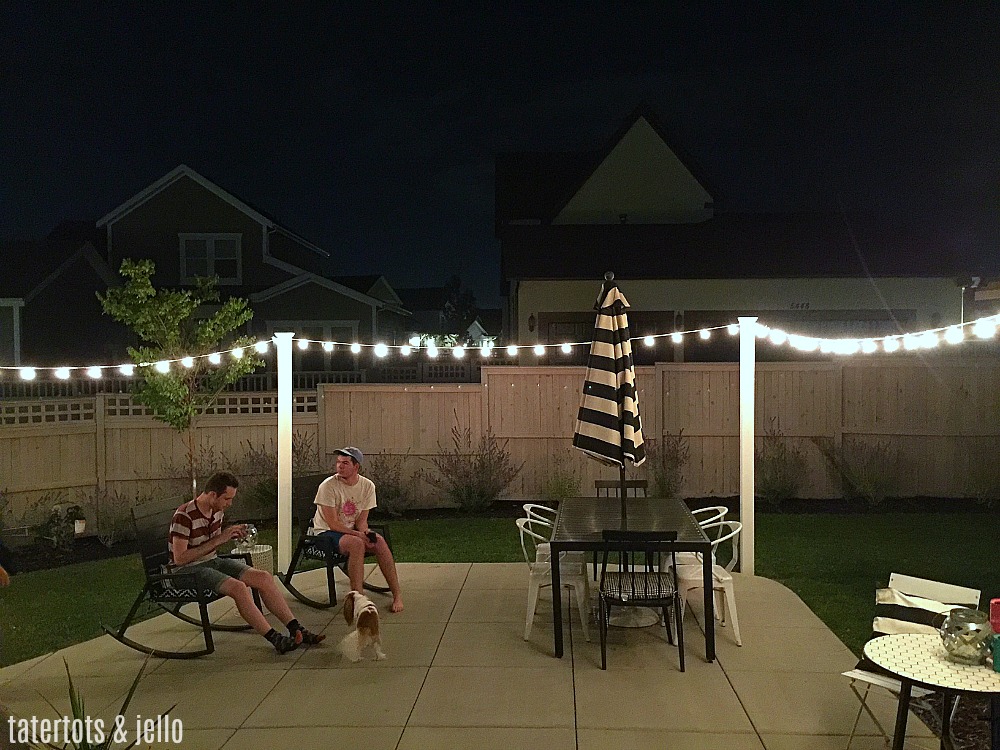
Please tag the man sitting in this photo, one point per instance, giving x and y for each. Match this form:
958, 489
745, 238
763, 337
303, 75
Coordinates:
341, 523
196, 533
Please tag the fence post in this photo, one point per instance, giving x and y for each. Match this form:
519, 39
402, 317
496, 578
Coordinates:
100, 441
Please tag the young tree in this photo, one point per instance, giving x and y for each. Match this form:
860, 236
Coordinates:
172, 324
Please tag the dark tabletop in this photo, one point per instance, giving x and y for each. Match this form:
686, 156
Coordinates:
582, 519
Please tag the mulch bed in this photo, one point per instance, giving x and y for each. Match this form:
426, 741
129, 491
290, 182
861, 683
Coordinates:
970, 728
85, 549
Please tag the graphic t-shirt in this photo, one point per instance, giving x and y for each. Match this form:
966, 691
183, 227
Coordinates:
349, 502
191, 524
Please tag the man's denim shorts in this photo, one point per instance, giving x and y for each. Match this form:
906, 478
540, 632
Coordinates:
211, 574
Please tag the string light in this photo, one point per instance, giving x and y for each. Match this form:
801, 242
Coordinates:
983, 328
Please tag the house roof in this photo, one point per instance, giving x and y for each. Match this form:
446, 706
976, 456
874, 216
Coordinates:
28, 263
183, 171
361, 284
533, 187
736, 246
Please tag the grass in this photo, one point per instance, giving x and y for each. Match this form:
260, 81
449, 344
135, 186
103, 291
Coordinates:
834, 562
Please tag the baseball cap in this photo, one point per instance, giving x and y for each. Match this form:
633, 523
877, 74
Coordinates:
351, 452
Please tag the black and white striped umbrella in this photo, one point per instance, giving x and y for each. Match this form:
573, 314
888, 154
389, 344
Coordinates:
608, 426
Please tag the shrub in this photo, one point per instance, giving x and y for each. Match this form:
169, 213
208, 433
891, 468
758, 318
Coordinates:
666, 464
561, 479
392, 488
778, 469
865, 470
57, 530
257, 469
111, 511
473, 474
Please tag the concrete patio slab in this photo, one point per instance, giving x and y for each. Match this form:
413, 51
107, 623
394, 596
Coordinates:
459, 675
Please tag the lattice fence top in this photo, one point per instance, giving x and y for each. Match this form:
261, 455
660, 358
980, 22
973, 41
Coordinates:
44, 412
13, 413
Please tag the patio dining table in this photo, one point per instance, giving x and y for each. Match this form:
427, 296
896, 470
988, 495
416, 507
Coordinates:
580, 522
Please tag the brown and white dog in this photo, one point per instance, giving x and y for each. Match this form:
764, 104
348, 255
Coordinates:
361, 612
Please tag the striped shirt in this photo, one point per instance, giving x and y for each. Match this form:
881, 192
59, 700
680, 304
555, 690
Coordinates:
191, 524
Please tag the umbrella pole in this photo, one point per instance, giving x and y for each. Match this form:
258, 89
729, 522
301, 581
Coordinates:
624, 494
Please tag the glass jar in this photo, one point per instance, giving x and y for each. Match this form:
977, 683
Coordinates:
966, 634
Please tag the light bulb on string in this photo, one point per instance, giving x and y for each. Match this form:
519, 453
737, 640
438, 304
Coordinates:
891, 344
27, 373
954, 335
188, 362
648, 340
62, 373
761, 331
303, 344
566, 348
238, 352
778, 337
485, 351
539, 350
261, 347
733, 328
868, 346
405, 350
704, 334
676, 337
511, 350
127, 370
432, 351
381, 350
215, 358
458, 352
94, 372
355, 348
929, 340
163, 366
415, 341
327, 346
985, 328
911, 342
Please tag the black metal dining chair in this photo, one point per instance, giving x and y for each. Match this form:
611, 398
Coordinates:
638, 582
613, 488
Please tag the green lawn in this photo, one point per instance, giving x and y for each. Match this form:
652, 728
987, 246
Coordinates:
834, 562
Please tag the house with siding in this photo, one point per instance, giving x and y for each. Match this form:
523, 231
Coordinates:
641, 207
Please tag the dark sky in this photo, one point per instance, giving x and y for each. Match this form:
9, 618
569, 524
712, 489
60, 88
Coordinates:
372, 131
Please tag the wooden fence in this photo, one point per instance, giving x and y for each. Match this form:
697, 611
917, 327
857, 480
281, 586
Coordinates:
933, 425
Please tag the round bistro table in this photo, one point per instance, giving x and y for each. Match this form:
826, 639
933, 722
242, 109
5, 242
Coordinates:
920, 659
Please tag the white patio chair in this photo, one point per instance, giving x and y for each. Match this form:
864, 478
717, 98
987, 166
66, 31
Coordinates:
572, 571
541, 513
908, 605
710, 515
689, 576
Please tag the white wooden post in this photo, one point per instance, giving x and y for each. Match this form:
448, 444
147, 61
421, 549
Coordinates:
748, 364
283, 345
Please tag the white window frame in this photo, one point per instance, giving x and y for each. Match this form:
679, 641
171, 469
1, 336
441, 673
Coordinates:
209, 238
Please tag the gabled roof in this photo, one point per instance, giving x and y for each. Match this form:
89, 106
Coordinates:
533, 187
736, 246
361, 284
183, 171
311, 278
27, 263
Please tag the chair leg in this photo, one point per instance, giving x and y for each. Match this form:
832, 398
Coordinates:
582, 602
865, 707
680, 628
206, 627
730, 610
603, 627
533, 586
331, 582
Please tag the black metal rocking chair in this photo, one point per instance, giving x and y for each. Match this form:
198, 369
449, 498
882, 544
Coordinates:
303, 506
169, 590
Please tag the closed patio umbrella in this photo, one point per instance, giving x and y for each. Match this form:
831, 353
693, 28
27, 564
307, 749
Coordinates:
608, 427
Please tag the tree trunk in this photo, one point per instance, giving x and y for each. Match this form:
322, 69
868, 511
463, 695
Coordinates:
191, 460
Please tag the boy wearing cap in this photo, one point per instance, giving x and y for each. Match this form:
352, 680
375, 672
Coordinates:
341, 522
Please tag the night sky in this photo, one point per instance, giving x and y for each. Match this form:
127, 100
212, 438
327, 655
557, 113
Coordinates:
372, 132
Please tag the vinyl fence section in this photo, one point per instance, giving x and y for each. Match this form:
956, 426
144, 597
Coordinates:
931, 424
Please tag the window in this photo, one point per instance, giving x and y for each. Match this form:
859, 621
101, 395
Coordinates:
211, 255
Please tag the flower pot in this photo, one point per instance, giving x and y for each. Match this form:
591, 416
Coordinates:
79, 526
